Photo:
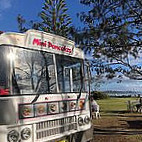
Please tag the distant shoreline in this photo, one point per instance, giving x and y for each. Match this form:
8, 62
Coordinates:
123, 93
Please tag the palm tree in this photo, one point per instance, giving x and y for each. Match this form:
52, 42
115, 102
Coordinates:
54, 17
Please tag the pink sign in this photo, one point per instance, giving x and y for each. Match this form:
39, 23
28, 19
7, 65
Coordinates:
51, 45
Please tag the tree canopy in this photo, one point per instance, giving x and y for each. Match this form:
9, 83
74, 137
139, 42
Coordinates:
55, 18
23, 25
113, 35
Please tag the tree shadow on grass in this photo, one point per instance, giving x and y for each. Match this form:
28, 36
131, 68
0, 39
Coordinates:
122, 112
135, 124
116, 111
115, 132
132, 115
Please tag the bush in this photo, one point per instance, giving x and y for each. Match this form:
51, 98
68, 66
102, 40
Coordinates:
99, 95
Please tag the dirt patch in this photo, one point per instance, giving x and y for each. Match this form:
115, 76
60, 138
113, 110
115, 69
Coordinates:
125, 127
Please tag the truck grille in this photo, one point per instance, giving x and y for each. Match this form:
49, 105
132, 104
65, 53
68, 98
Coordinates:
47, 128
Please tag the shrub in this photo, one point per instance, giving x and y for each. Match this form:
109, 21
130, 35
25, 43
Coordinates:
99, 95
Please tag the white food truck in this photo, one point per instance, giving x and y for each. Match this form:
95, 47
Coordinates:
44, 93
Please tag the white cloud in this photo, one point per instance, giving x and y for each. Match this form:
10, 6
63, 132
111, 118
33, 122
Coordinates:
5, 4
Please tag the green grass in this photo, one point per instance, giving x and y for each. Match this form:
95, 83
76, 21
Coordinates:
114, 105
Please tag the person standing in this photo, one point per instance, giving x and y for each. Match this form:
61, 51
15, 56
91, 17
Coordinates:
95, 108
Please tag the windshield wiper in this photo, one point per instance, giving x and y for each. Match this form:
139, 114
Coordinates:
35, 99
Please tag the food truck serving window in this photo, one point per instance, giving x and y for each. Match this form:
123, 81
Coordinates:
70, 74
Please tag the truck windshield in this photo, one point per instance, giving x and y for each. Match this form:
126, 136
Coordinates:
33, 72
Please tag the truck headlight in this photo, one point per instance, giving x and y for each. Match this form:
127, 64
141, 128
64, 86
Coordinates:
26, 133
87, 119
80, 121
13, 136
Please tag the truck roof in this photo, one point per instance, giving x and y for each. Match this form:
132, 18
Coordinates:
39, 40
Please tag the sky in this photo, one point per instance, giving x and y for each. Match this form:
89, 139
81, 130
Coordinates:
126, 83
29, 9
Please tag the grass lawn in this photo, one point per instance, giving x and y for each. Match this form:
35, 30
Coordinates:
116, 123
114, 105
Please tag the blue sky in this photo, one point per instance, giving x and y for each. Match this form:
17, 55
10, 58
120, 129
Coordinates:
29, 9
